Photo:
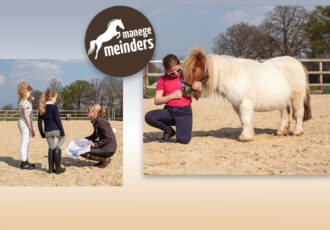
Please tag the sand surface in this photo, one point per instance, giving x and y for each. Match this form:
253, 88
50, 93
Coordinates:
215, 149
79, 171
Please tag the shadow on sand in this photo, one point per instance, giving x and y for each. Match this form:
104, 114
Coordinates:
16, 163
227, 132
76, 162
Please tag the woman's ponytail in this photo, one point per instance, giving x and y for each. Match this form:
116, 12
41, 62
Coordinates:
42, 104
102, 111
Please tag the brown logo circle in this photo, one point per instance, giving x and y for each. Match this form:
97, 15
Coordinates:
120, 41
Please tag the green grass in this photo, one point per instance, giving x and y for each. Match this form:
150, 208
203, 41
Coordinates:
326, 88
150, 92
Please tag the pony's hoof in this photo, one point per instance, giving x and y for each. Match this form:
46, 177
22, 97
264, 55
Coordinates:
298, 133
245, 138
282, 133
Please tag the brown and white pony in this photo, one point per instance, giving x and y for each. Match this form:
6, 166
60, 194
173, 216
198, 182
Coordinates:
279, 83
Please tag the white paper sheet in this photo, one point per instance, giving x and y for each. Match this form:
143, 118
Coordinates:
78, 146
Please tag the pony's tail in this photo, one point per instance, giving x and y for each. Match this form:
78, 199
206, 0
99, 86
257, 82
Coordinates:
307, 100
42, 104
92, 47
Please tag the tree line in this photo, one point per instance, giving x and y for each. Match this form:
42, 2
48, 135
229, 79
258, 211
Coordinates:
286, 30
107, 92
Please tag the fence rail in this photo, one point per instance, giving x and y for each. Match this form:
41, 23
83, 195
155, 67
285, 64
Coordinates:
148, 76
7, 115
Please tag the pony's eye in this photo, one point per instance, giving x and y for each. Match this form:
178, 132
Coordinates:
193, 70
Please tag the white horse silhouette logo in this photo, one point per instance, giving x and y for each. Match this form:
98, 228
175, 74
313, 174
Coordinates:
106, 36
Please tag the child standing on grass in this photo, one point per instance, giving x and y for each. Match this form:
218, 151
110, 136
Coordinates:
48, 112
25, 122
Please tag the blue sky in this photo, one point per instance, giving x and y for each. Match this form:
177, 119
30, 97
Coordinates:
38, 72
41, 29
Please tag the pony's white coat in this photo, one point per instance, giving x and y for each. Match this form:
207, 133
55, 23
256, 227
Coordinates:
276, 84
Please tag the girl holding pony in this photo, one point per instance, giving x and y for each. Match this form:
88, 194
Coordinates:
177, 110
48, 112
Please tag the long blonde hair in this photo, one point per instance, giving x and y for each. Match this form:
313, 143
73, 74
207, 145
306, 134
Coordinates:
46, 96
22, 89
97, 108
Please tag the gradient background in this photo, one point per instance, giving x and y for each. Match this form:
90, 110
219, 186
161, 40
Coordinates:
164, 202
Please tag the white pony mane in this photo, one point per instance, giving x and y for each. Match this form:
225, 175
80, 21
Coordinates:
222, 70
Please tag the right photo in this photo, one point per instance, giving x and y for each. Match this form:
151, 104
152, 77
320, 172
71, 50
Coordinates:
253, 102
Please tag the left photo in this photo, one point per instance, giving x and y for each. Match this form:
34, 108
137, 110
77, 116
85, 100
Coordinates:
61, 124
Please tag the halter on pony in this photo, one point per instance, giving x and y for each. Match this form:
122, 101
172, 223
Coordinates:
203, 80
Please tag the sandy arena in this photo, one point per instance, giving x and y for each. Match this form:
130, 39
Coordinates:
79, 171
215, 150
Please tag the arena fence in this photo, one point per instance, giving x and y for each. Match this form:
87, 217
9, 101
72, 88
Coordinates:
318, 69
13, 115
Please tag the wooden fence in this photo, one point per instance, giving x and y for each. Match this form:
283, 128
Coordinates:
9, 115
150, 78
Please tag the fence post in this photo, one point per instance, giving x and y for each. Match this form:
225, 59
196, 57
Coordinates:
6, 115
145, 80
321, 75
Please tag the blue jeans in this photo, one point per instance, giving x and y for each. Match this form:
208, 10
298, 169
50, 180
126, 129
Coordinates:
181, 117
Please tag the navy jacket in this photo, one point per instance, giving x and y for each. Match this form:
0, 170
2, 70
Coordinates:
51, 120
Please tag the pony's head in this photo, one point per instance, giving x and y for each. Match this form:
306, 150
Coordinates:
193, 70
120, 24
117, 22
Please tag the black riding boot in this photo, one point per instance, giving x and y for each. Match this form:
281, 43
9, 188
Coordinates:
50, 160
57, 159
170, 132
27, 165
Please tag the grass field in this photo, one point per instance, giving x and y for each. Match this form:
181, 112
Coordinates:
150, 92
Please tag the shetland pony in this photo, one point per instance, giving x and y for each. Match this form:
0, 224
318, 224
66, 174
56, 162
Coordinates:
279, 83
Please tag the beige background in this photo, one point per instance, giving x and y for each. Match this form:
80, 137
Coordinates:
178, 202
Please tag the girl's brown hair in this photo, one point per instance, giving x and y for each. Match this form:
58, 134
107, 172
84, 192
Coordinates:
22, 89
45, 96
97, 108
170, 60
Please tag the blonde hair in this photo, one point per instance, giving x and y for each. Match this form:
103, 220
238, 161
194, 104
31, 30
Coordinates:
46, 96
97, 108
22, 89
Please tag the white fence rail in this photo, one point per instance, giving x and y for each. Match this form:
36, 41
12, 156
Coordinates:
6, 115
320, 72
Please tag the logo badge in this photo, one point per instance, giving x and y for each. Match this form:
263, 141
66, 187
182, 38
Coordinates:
120, 41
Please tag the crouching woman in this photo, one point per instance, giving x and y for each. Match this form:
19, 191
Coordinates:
104, 143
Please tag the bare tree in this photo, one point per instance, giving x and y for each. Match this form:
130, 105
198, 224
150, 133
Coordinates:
8, 107
265, 45
36, 94
97, 91
56, 85
286, 25
239, 40
113, 90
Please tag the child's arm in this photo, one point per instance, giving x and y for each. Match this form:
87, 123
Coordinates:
58, 121
27, 119
42, 134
